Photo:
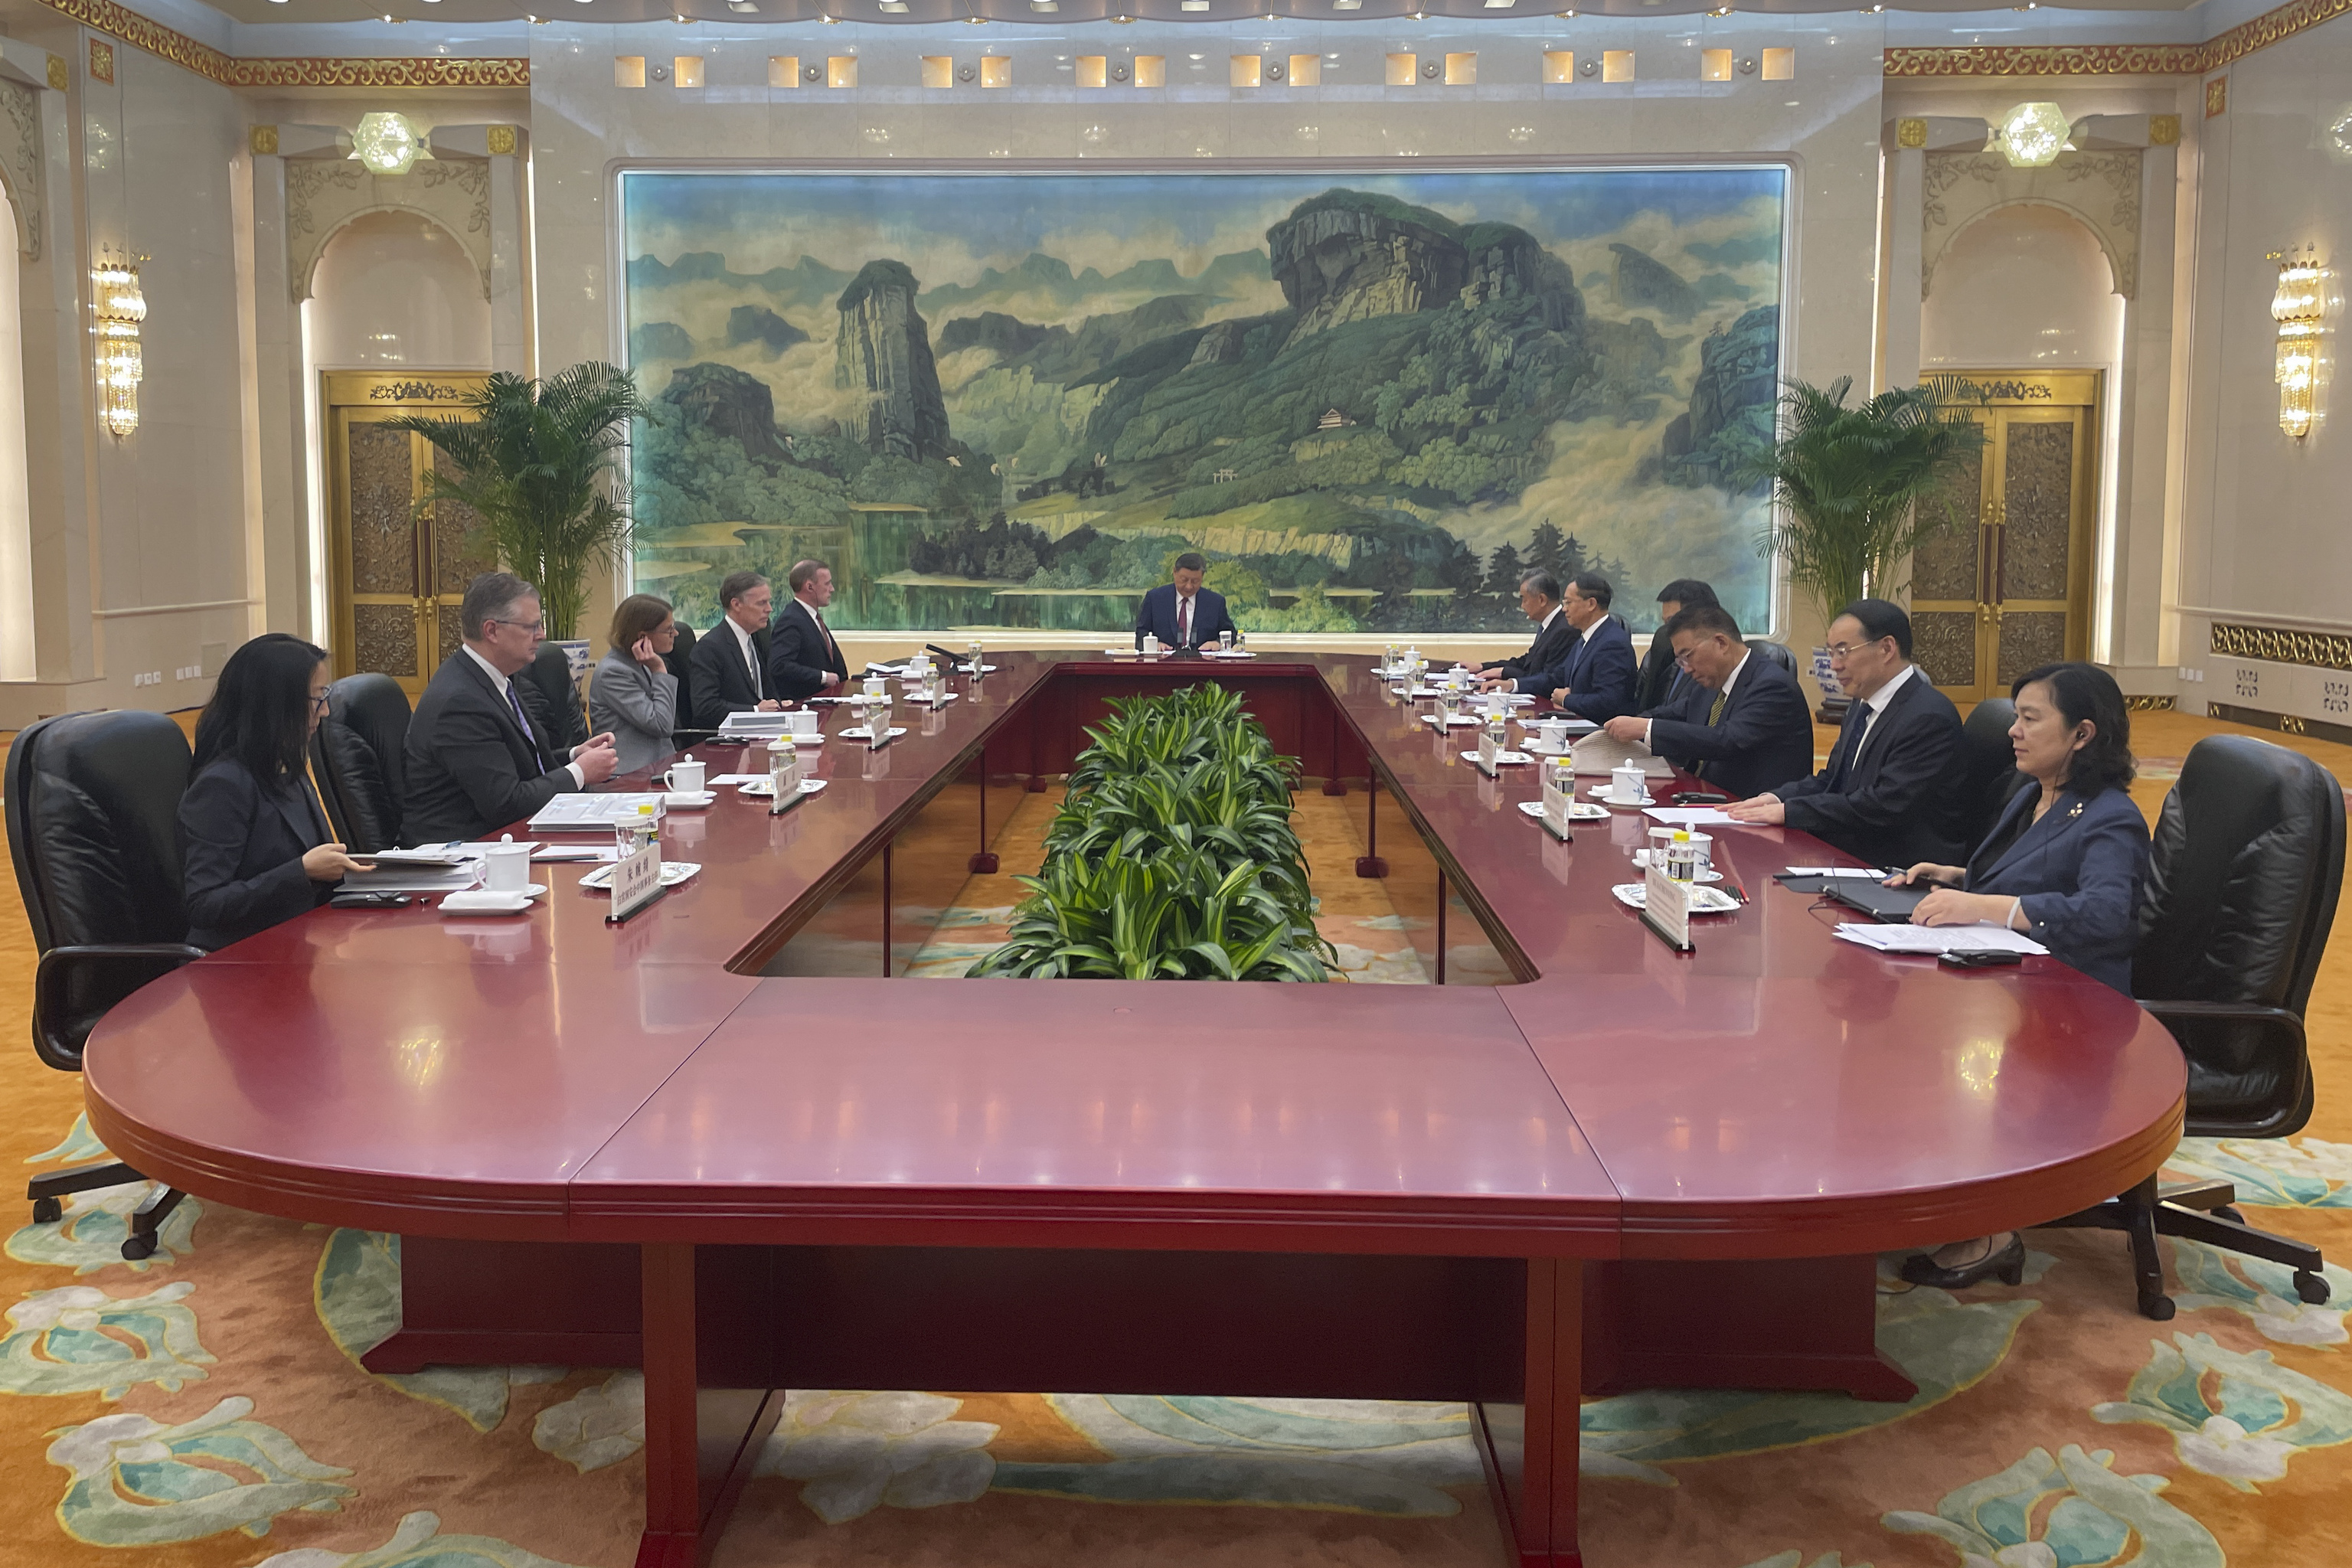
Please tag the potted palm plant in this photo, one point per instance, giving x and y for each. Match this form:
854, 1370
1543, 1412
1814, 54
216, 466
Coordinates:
1847, 483
535, 460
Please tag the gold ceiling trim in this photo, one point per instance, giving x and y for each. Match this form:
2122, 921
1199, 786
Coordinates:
2320, 650
229, 70
2116, 59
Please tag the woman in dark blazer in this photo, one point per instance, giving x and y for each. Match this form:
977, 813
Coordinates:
258, 849
634, 696
2063, 865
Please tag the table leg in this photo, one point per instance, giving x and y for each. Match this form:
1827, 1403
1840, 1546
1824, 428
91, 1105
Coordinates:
886, 911
1333, 782
1530, 1450
1803, 1323
1441, 927
983, 862
1369, 864
700, 1443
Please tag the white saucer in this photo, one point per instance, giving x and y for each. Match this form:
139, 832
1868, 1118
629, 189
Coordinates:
1600, 791
688, 800
1502, 759
1702, 900
1578, 812
482, 902
1459, 721
672, 872
866, 732
765, 789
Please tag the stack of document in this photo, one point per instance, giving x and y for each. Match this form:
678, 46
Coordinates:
1597, 754
1977, 938
583, 813
754, 725
436, 868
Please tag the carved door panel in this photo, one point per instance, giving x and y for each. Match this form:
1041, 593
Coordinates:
2005, 584
400, 570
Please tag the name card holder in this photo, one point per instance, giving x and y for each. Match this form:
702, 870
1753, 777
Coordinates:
1558, 794
636, 883
1665, 908
1489, 754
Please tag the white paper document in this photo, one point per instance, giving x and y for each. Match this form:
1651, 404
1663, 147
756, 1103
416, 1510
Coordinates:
1597, 754
1873, 874
578, 813
1979, 938
1693, 817
753, 722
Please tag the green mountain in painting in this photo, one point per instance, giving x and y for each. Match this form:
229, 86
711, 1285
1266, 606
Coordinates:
974, 465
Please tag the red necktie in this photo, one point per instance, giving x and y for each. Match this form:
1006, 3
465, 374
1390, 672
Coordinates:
1184, 623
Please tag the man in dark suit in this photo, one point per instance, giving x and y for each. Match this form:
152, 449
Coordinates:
1594, 676
727, 670
1892, 789
1182, 613
1539, 601
1740, 724
476, 759
1662, 680
804, 659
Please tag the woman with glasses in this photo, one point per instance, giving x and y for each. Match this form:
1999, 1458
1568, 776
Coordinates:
634, 694
258, 849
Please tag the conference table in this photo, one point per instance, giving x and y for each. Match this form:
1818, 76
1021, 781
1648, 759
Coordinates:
650, 1145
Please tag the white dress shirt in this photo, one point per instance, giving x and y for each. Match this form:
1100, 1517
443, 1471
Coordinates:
750, 658
1877, 703
579, 779
1723, 691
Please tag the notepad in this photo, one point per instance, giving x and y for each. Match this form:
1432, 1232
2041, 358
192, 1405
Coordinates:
578, 813
1695, 816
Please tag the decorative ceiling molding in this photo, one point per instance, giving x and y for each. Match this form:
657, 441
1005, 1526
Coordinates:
2116, 59
230, 70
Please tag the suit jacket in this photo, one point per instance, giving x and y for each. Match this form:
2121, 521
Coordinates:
639, 706
1901, 802
1550, 648
1598, 671
720, 681
1766, 734
471, 767
245, 843
799, 655
2077, 873
1662, 681
1156, 615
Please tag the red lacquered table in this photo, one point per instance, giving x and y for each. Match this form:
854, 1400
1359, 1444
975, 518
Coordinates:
1504, 1195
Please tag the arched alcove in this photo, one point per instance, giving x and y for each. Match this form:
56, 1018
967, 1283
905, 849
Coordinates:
2026, 286
395, 289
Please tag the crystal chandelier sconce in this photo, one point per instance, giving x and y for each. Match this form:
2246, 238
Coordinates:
2033, 134
118, 309
2299, 308
386, 143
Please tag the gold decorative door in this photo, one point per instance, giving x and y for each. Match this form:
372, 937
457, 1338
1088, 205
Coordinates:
400, 571
2005, 584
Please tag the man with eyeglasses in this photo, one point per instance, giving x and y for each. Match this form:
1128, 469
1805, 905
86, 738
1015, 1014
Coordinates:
1740, 723
1893, 791
475, 760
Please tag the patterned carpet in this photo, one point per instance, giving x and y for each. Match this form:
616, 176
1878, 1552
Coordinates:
207, 1408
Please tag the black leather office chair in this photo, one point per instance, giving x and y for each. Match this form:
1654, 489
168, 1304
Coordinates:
1777, 652
358, 754
676, 658
549, 677
2248, 861
1990, 776
93, 812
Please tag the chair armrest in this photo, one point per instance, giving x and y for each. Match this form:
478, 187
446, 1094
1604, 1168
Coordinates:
2278, 1019
104, 974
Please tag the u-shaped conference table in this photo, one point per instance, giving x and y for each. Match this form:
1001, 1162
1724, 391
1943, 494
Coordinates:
1507, 1195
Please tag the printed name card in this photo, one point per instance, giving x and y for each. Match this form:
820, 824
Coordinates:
1490, 753
636, 883
1558, 794
1665, 908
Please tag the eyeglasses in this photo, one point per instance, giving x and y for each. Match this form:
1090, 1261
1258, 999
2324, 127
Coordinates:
320, 698
1844, 650
532, 627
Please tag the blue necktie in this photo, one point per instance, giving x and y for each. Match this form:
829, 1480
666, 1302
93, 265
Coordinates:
514, 701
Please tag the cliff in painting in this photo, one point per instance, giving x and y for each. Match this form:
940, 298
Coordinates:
1010, 401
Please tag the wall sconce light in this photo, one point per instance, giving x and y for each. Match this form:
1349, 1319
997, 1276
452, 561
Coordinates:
2299, 308
386, 143
117, 308
2033, 134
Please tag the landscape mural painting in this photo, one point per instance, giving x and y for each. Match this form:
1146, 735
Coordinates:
1372, 400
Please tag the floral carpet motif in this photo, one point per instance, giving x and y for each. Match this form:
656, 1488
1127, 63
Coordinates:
207, 1408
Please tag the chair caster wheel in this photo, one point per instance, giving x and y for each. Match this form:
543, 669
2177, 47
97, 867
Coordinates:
138, 1247
2226, 1212
48, 1211
2311, 1287
2158, 1308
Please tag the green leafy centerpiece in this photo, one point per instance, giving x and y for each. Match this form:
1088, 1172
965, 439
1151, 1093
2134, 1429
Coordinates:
1172, 857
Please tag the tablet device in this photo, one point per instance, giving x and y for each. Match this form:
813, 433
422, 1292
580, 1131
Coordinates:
1879, 899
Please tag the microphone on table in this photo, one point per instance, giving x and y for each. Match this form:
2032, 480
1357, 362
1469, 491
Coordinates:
952, 658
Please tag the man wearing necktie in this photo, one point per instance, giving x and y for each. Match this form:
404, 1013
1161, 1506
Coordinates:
1661, 679
1181, 613
729, 666
474, 760
804, 659
1894, 787
1740, 724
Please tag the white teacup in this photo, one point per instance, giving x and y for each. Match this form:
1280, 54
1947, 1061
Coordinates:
1553, 733
508, 867
685, 776
875, 685
1629, 784
800, 721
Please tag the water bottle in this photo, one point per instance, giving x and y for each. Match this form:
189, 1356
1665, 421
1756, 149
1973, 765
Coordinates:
976, 652
1680, 855
783, 772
